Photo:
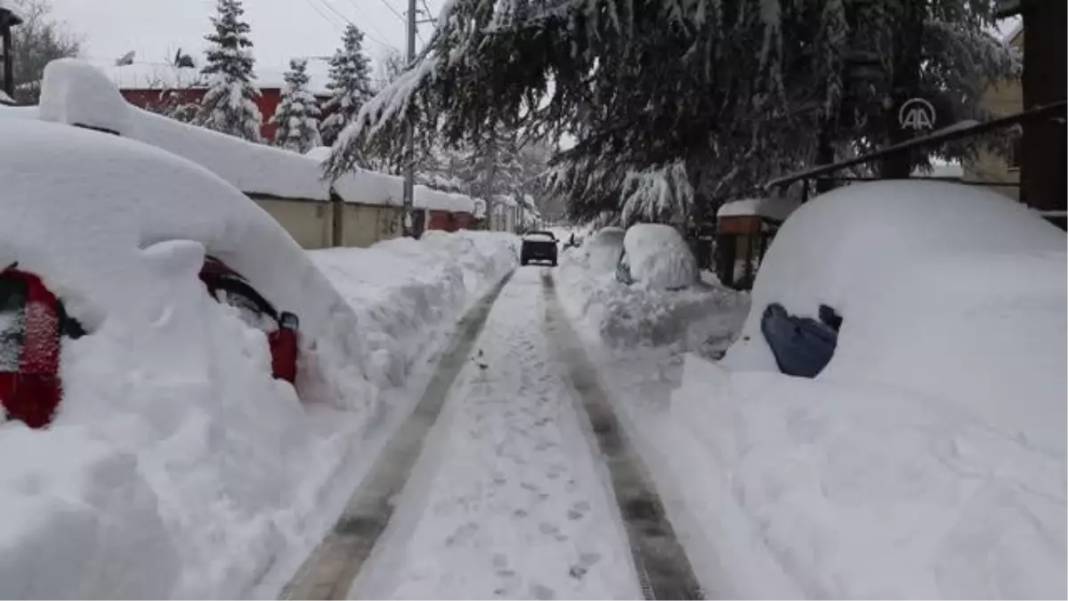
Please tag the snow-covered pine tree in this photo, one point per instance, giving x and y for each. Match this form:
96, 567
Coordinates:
731, 90
297, 117
492, 166
350, 85
229, 106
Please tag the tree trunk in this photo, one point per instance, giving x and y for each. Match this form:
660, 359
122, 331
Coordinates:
904, 85
824, 156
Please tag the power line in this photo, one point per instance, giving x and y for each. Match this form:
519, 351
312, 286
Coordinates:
323, 15
340, 14
390, 7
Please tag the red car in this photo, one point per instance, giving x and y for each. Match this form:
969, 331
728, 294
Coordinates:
32, 321
227, 286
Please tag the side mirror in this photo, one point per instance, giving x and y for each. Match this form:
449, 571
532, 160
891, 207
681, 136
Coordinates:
289, 321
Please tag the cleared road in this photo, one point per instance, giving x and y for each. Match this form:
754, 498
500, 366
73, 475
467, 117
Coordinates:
511, 479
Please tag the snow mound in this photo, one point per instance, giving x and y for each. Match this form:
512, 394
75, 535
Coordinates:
600, 252
623, 317
658, 257
76, 93
403, 289
947, 291
826, 489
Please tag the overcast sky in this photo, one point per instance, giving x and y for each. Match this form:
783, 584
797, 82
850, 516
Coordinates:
281, 29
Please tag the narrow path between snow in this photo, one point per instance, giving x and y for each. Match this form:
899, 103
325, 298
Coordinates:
509, 499
512, 479
329, 571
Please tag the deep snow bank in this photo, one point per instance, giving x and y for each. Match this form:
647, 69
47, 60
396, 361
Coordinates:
406, 291
624, 316
176, 466
928, 459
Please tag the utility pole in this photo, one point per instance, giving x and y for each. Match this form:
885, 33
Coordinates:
409, 138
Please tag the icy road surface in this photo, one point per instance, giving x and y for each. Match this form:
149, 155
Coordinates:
507, 480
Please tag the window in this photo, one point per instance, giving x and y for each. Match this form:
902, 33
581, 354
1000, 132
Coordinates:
1016, 152
12, 323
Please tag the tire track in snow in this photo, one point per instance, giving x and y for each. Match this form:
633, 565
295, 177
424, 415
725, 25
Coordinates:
661, 561
510, 498
330, 569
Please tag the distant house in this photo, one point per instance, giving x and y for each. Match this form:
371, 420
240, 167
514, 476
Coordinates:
151, 85
1000, 99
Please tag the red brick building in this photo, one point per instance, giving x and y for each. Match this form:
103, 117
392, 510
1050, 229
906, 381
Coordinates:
150, 85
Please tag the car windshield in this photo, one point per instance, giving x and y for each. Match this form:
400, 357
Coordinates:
540, 237
12, 322
251, 308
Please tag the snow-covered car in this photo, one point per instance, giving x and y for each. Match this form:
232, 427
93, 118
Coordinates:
32, 322
656, 256
103, 231
938, 422
231, 288
538, 246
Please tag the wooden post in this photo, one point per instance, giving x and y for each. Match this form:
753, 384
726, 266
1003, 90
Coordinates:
337, 220
9, 66
1042, 181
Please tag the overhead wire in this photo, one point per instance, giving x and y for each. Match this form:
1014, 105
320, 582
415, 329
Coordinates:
349, 21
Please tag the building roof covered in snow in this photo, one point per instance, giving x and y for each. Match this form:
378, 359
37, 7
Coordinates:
166, 76
76, 93
776, 208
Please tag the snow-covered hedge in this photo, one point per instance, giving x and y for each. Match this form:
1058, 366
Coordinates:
77, 93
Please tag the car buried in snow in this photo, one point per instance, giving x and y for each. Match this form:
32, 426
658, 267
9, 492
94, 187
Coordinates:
656, 256
136, 244
538, 246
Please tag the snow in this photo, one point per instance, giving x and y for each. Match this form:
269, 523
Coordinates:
662, 193
770, 207
74, 92
928, 458
600, 252
926, 461
508, 499
18, 112
176, 466
658, 257
539, 237
624, 317
948, 291
319, 153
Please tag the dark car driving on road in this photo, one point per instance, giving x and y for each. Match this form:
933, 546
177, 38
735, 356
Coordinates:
538, 246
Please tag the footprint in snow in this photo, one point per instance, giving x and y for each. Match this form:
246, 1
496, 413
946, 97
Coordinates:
538, 591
